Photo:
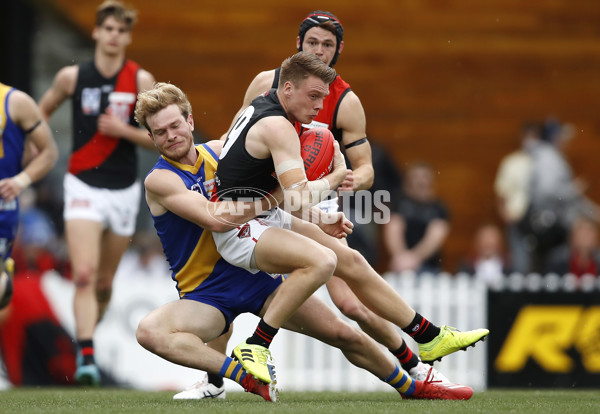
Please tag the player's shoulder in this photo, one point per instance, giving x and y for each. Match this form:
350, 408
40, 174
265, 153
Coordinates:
275, 127
265, 76
263, 81
145, 80
216, 146
66, 78
18, 97
68, 72
260, 84
351, 105
22, 107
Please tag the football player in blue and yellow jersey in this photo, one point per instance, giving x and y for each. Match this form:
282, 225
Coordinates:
27, 153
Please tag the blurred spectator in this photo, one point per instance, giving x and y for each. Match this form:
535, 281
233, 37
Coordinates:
360, 207
556, 197
512, 188
145, 257
418, 224
37, 246
487, 260
35, 347
581, 255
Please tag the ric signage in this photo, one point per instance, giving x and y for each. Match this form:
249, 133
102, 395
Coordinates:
544, 339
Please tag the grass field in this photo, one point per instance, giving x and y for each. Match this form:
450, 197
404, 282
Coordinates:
84, 401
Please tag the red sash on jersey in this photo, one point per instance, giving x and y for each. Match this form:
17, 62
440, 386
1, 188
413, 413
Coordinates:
101, 146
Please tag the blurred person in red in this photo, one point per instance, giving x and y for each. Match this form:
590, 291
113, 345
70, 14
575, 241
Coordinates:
581, 255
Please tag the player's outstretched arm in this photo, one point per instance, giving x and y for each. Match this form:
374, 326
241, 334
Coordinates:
276, 137
165, 191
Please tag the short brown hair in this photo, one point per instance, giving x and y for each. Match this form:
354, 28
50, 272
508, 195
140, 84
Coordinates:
159, 97
302, 65
118, 10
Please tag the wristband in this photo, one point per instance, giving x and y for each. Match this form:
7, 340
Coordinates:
23, 180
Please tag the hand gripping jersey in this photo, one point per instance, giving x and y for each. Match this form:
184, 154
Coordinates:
241, 176
100, 160
12, 145
327, 117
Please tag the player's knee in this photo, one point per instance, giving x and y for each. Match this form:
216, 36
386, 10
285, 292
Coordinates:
84, 276
148, 333
352, 259
353, 309
325, 262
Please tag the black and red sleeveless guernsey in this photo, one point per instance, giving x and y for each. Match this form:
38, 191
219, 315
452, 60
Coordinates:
240, 175
96, 159
327, 117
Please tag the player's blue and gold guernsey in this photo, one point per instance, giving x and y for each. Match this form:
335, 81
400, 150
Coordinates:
198, 270
12, 145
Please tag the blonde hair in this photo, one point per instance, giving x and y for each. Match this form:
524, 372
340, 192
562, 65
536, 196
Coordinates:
159, 97
302, 65
118, 10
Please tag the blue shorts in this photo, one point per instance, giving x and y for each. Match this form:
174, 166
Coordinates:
9, 224
234, 290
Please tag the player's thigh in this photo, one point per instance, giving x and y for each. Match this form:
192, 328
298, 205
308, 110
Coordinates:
313, 232
189, 316
283, 251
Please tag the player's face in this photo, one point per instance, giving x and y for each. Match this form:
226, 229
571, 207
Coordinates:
172, 133
112, 37
320, 42
306, 100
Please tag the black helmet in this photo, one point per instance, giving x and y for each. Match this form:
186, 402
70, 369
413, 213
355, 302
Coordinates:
317, 17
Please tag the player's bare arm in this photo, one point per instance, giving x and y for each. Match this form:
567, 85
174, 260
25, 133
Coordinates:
111, 125
27, 116
352, 121
275, 136
165, 191
63, 87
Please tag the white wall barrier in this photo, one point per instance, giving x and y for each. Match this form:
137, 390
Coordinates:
302, 363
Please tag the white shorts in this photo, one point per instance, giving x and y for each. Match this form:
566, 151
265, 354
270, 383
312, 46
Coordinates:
237, 245
115, 209
330, 205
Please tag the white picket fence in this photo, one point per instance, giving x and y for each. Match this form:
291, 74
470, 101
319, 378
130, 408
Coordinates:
302, 363
306, 364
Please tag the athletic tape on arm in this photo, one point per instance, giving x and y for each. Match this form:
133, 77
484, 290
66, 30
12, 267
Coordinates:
290, 174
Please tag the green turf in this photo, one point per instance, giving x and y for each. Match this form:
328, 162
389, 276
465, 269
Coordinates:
86, 401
